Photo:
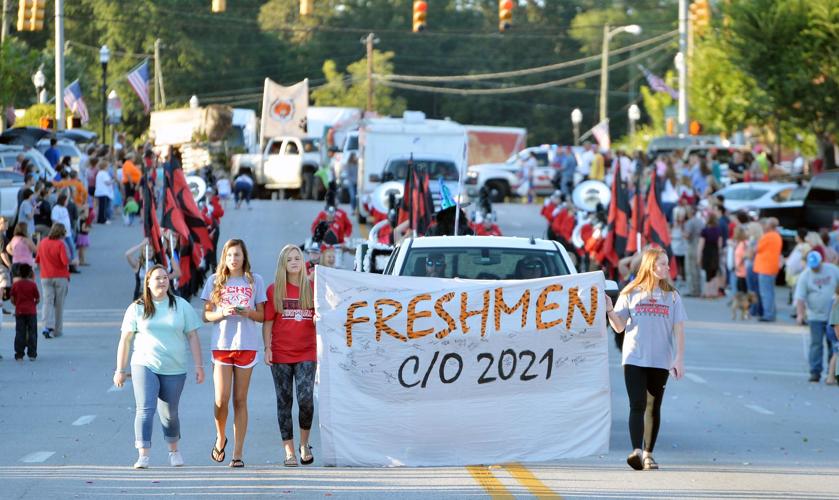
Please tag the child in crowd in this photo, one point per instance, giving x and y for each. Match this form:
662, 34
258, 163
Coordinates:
83, 238
25, 297
223, 189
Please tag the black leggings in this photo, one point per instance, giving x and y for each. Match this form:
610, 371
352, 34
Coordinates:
285, 375
645, 388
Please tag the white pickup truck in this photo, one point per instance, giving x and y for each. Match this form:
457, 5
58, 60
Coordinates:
483, 258
285, 163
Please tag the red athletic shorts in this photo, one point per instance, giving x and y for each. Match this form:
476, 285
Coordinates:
241, 359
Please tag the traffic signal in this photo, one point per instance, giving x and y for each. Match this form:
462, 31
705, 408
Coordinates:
307, 7
30, 15
700, 16
695, 128
46, 122
420, 12
218, 6
505, 15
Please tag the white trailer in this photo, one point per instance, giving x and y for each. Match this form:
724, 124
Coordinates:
382, 139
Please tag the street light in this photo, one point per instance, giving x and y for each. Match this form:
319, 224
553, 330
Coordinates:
634, 113
40, 81
193, 102
632, 29
576, 120
104, 57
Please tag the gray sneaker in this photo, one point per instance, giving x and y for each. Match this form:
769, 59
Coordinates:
142, 463
176, 459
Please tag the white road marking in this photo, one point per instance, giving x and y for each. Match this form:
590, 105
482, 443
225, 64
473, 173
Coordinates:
84, 420
37, 457
747, 371
760, 409
695, 378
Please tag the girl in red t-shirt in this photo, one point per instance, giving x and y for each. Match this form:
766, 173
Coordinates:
291, 349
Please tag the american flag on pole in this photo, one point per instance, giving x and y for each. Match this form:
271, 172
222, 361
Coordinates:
73, 99
139, 80
601, 133
657, 83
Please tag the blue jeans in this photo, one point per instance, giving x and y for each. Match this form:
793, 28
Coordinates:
163, 392
766, 286
71, 247
242, 191
756, 309
817, 341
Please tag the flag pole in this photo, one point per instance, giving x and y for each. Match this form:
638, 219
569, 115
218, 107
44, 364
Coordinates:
146, 250
460, 188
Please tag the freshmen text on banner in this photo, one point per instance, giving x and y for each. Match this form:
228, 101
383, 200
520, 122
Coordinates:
428, 372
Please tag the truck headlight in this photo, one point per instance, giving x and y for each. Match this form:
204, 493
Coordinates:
471, 178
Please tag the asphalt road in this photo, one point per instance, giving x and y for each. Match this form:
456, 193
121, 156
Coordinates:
743, 423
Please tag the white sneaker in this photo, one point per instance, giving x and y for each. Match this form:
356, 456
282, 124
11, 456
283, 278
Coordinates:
176, 459
142, 462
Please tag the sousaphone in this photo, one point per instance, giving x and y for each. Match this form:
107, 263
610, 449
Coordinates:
589, 193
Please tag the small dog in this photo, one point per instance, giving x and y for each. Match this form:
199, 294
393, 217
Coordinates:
742, 301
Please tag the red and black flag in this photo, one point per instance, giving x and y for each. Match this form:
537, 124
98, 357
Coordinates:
181, 214
151, 228
417, 204
615, 245
656, 230
637, 225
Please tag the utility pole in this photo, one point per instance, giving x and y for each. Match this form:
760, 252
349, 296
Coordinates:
369, 42
159, 94
682, 67
604, 73
4, 31
59, 65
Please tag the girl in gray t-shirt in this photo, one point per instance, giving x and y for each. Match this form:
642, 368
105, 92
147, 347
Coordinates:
234, 300
651, 313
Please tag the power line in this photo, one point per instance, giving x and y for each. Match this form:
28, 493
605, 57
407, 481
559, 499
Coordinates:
520, 88
528, 71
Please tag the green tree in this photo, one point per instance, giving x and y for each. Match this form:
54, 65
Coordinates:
350, 89
792, 76
722, 96
17, 64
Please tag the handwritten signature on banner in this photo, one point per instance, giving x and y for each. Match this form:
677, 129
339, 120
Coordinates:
493, 303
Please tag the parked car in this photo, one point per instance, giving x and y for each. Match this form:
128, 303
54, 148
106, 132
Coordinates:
818, 209
8, 159
436, 168
759, 196
502, 179
668, 143
10, 183
483, 258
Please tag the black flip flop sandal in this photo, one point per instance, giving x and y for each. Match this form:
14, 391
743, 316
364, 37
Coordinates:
634, 461
236, 463
303, 452
218, 455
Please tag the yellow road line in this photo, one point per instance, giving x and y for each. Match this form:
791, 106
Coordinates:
527, 479
490, 483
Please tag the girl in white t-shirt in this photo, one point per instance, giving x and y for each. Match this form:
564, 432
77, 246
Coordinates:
234, 300
650, 312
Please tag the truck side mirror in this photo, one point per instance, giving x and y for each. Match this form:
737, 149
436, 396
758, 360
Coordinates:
375, 178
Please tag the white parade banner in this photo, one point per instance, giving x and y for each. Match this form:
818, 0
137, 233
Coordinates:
432, 372
284, 109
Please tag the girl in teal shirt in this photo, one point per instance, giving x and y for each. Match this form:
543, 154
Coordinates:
160, 326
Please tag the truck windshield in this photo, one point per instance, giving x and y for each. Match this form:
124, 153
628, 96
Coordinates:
483, 263
397, 170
